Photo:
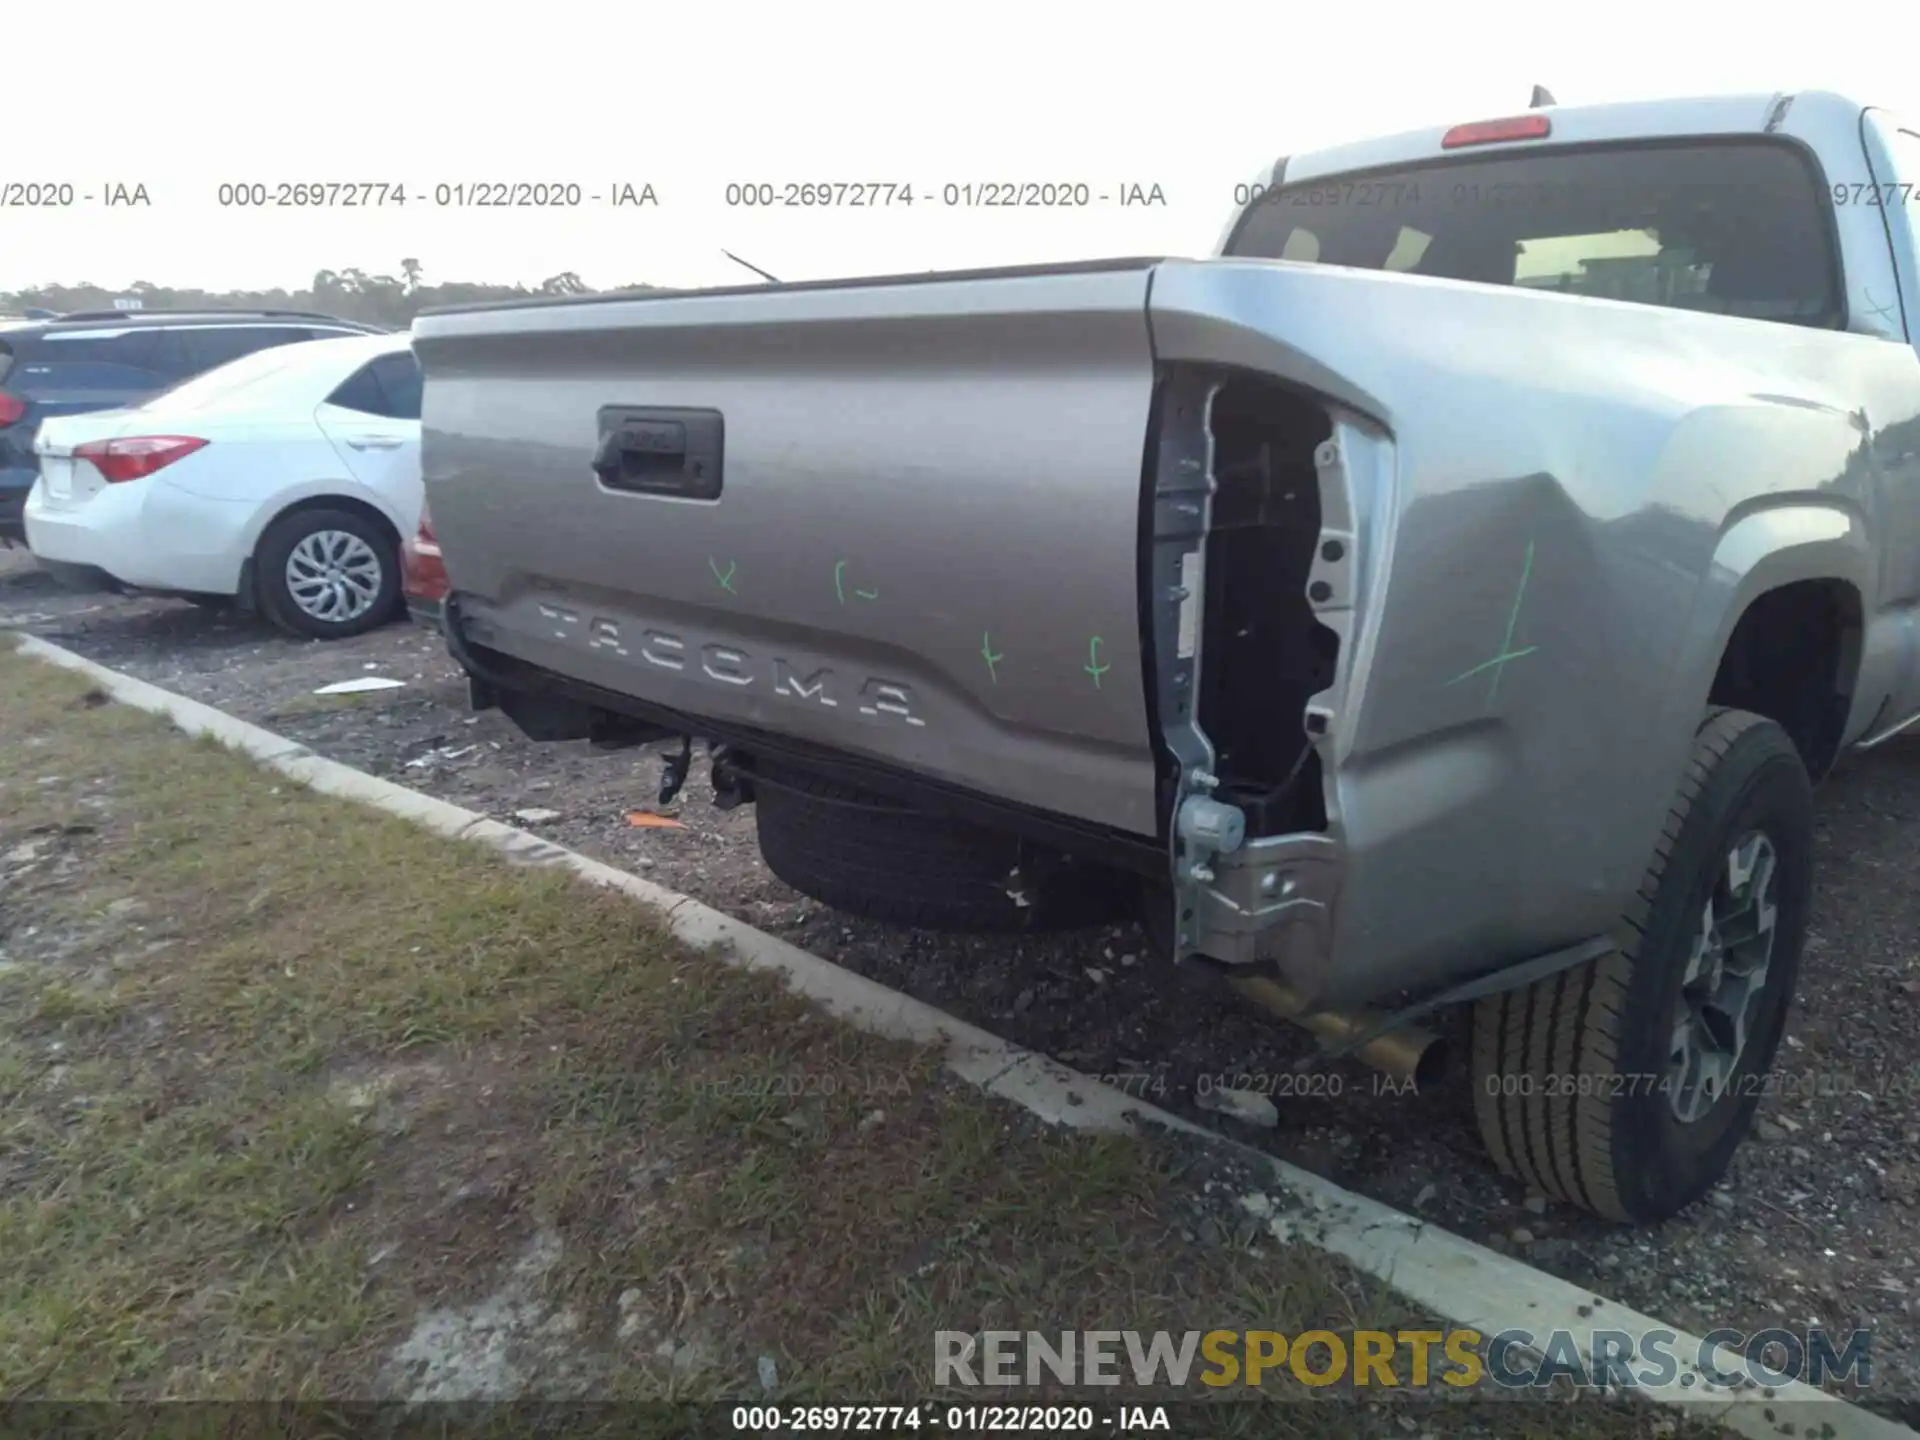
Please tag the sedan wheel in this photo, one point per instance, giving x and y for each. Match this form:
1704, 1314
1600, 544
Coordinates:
328, 573
334, 576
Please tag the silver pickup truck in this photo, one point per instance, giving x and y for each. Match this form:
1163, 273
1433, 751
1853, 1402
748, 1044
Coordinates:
1444, 595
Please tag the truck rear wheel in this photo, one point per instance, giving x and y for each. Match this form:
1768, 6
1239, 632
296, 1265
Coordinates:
870, 856
1624, 1086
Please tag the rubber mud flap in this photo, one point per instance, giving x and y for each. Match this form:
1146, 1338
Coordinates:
869, 856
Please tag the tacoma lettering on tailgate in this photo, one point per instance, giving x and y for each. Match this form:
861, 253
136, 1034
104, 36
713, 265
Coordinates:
723, 664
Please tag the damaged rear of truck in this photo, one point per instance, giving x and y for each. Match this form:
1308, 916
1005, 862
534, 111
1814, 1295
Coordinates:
978, 547
1386, 640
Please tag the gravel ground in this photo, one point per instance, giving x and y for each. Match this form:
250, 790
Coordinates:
1813, 1227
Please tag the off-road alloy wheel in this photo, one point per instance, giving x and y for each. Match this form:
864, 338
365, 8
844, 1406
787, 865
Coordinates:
328, 574
1625, 1086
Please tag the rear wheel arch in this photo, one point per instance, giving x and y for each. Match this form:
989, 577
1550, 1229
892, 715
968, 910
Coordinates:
328, 500
1793, 655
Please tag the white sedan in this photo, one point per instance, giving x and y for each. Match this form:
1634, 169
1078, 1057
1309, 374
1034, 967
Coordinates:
284, 481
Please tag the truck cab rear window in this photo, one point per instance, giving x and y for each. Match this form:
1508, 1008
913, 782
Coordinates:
1729, 228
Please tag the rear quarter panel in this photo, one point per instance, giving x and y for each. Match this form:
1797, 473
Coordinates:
1574, 484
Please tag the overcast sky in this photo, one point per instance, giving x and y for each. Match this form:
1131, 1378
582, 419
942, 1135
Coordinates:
1193, 97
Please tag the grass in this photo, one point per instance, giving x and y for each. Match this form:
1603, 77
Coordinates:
281, 1077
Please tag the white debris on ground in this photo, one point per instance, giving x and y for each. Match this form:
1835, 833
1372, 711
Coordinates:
1246, 1106
443, 755
362, 686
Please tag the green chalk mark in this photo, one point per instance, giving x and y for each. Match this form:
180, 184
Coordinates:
840, 585
1513, 619
1093, 666
726, 580
1498, 664
1486, 665
986, 654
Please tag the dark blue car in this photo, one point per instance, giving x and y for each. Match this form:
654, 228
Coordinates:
99, 359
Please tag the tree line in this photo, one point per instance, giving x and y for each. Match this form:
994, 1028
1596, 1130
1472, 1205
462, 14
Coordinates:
350, 294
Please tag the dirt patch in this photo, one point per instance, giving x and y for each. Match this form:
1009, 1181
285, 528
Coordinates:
503, 1348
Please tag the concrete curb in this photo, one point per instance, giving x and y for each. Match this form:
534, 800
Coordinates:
1465, 1283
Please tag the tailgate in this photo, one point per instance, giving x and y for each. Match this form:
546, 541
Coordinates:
901, 518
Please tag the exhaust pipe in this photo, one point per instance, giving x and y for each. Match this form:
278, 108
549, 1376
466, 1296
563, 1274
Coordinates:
1410, 1053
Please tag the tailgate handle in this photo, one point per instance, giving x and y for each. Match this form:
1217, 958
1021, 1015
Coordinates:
660, 450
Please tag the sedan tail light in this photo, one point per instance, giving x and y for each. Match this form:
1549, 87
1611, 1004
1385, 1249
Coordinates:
134, 456
423, 571
12, 407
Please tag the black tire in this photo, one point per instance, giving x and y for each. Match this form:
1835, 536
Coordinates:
1572, 1090
278, 544
870, 856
